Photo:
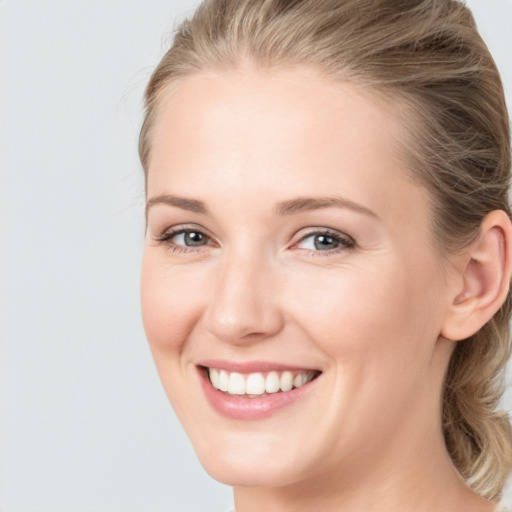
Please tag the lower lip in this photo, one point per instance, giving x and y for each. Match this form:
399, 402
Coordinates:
241, 407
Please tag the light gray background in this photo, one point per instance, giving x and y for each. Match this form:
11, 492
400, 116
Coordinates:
85, 425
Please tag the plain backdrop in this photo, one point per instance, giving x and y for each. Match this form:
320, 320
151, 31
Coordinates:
85, 425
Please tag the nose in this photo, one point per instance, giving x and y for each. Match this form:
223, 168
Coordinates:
243, 305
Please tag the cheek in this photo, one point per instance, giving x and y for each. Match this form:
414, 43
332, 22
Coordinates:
170, 302
378, 327
362, 311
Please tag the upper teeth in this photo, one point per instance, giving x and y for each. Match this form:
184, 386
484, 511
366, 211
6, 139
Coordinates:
257, 384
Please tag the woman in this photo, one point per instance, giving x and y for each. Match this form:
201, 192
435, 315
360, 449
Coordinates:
325, 284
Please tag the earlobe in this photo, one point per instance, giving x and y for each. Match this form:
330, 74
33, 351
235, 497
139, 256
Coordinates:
485, 270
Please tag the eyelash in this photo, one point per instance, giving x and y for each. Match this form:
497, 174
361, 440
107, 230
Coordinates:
346, 243
167, 236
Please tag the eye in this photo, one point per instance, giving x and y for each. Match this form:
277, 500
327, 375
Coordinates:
325, 241
184, 239
189, 238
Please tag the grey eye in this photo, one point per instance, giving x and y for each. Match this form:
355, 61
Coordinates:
320, 242
190, 239
325, 242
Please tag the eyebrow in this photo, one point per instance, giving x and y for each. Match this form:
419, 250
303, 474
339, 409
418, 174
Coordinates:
302, 204
289, 207
191, 205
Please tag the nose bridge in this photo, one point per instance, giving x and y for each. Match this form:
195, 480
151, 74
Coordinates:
244, 304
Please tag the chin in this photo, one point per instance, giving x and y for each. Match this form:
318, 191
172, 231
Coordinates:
257, 464
242, 474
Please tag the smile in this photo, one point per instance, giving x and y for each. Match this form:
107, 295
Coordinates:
254, 391
258, 384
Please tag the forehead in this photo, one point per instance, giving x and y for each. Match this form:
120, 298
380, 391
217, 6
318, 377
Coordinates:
294, 103
277, 131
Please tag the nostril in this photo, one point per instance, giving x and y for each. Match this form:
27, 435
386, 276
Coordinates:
242, 327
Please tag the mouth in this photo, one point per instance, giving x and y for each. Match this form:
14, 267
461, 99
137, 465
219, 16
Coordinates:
259, 384
240, 392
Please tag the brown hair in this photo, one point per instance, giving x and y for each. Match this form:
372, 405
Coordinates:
428, 56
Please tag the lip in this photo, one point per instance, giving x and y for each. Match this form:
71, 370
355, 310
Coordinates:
251, 366
243, 407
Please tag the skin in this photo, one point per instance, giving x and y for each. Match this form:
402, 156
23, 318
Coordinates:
374, 318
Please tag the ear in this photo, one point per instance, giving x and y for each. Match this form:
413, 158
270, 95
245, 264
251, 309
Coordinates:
483, 279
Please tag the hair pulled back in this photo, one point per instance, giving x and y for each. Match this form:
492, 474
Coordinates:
427, 56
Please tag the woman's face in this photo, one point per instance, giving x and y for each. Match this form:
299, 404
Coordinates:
288, 246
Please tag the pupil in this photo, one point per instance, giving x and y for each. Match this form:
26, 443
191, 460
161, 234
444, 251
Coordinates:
325, 242
193, 238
